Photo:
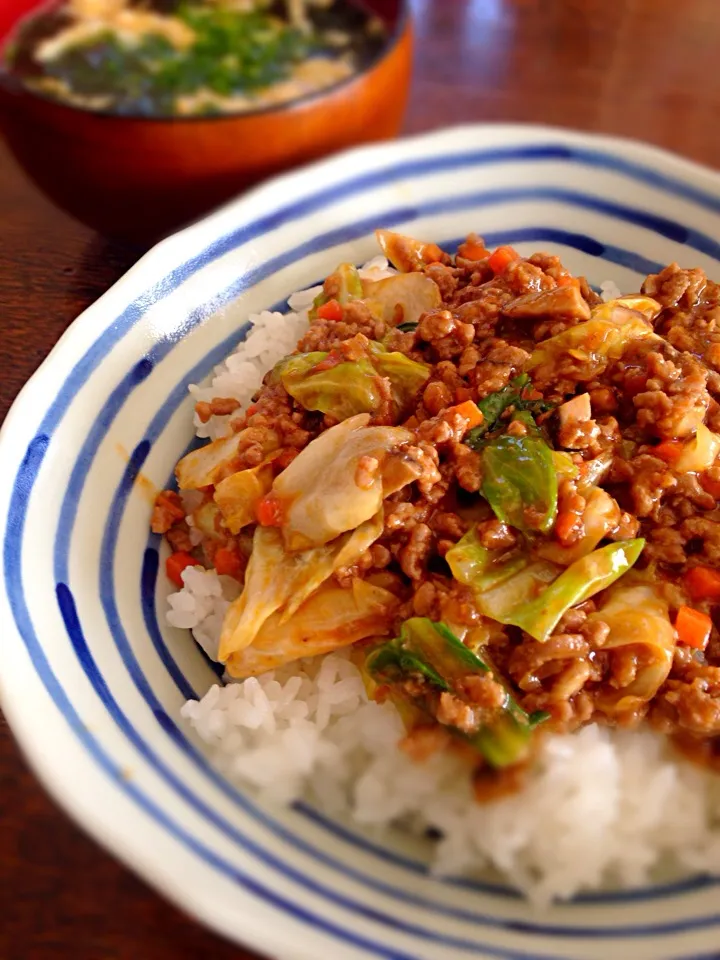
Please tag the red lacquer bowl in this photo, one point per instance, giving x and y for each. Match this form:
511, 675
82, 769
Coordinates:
141, 178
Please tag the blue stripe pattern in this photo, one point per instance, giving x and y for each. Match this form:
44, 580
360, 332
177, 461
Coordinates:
36, 451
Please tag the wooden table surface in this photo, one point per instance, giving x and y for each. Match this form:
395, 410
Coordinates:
642, 68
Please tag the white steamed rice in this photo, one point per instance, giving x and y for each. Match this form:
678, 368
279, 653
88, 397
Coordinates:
601, 806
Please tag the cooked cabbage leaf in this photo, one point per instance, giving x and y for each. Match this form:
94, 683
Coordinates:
344, 388
430, 653
402, 299
519, 479
475, 566
580, 581
318, 488
341, 390
238, 495
600, 517
202, 467
596, 341
330, 618
278, 581
638, 617
700, 453
406, 253
343, 284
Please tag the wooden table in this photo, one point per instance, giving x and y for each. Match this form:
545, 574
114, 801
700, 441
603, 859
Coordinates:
642, 68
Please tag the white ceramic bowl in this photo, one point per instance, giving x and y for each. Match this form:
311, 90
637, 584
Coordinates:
92, 679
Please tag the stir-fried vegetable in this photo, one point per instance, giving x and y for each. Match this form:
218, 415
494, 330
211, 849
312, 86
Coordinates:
340, 287
519, 478
319, 491
518, 394
597, 341
582, 580
504, 600
406, 253
176, 563
204, 466
638, 618
437, 645
278, 581
406, 376
469, 411
594, 471
401, 300
600, 517
208, 520
342, 388
702, 583
506, 741
435, 661
693, 627
536, 597
238, 495
565, 468
502, 258
330, 618
639, 303
474, 565
698, 454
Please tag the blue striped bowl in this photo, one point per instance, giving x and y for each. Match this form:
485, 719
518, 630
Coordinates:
92, 679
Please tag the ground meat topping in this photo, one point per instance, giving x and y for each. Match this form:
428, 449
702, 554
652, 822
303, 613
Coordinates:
619, 415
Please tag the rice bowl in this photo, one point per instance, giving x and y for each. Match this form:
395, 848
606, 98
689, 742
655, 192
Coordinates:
106, 701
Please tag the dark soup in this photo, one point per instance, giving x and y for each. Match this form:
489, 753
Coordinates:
192, 57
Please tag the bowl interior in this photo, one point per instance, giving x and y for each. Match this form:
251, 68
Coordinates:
101, 660
13, 11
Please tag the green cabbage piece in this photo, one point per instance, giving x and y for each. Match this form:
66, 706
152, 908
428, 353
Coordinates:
475, 566
520, 480
406, 376
342, 285
595, 342
342, 390
431, 652
520, 601
351, 387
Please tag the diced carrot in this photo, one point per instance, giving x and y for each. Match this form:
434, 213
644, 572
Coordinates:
693, 628
470, 411
228, 562
702, 583
669, 450
330, 311
710, 485
501, 258
270, 511
473, 250
252, 409
567, 281
432, 253
176, 563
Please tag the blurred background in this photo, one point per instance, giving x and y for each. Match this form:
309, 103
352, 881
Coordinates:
638, 68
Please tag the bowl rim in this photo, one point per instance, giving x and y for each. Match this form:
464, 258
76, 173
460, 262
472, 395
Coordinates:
14, 86
167, 255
